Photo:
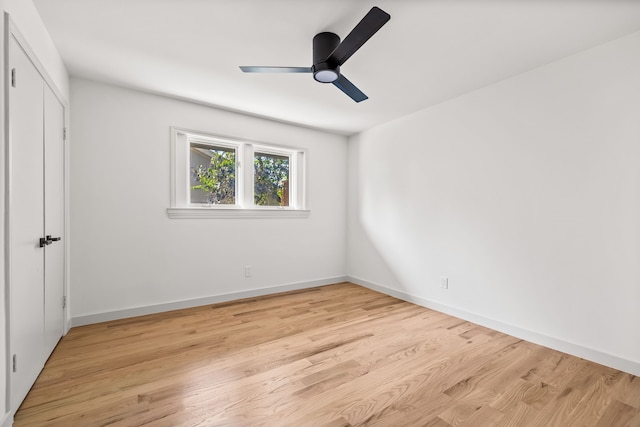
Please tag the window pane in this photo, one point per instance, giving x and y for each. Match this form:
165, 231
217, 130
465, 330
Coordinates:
213, 174
271, 179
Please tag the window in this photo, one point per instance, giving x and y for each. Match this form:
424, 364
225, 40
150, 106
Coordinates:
214, 177
213, 174
271, 179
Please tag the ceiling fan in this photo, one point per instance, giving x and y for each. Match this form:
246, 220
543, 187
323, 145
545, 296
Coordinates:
329, 54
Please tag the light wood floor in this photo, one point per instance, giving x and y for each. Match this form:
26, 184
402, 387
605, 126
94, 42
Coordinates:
338, 355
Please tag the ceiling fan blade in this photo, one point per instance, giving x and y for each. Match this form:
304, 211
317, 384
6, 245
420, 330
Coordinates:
350, 89
367, 27
250, 69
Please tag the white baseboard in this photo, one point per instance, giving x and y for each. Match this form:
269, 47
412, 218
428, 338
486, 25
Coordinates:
534, 337
7, 420
89, 319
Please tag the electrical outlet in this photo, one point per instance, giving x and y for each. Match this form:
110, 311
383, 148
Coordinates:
444, 282
248, 271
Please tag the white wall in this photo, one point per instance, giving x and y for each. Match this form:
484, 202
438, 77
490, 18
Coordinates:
25, 16
525, 194
127, 253
26, 19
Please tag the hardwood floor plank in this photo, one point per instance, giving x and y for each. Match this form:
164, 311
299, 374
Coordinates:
414, 409
628, 390
617, 414
338, 355
519, 414
485, 416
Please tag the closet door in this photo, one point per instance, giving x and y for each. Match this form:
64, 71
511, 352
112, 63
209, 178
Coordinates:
26, 210
53, 219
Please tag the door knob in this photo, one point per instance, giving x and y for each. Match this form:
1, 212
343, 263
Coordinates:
52, 239
44, 241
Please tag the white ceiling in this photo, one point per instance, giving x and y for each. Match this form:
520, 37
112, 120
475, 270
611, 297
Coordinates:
430, 51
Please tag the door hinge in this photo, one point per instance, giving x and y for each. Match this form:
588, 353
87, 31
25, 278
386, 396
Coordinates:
64, 301
14, 362
13, 77
64, 134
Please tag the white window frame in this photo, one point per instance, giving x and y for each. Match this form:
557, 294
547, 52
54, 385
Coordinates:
181, 206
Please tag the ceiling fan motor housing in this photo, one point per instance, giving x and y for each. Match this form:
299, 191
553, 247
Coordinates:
323, 45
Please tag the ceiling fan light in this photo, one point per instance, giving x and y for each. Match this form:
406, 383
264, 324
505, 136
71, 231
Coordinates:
326, 76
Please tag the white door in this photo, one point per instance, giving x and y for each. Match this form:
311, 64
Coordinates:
53, 219
26, 210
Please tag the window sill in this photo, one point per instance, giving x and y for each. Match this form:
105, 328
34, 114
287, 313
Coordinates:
226, 213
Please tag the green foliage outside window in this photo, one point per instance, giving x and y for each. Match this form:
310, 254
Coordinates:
218, 179
271, 180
